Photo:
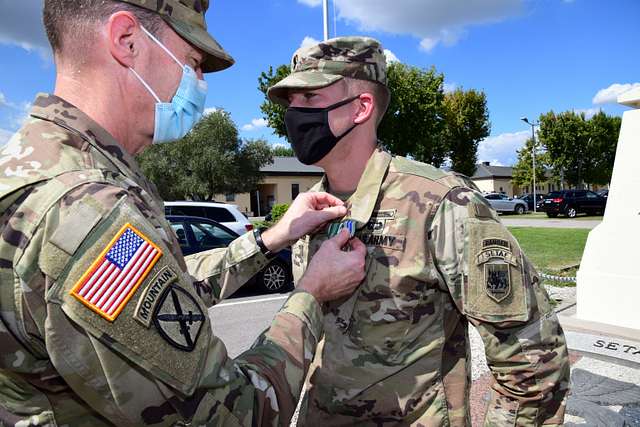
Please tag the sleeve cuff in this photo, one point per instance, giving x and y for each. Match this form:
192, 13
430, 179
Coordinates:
304, 306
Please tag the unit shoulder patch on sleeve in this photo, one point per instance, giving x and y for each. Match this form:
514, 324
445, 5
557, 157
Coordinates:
124, 287
495, 290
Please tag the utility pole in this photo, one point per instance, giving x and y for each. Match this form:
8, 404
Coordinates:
533, 154
325, 15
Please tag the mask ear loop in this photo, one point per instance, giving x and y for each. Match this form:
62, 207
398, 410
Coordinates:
151, 91
152, 37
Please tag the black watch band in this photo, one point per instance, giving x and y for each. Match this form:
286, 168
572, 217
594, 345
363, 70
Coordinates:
257, 234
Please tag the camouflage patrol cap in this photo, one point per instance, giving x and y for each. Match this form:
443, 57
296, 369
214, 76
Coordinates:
186, 17
329, 61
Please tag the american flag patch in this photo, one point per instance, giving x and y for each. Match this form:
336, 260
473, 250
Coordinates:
114, 276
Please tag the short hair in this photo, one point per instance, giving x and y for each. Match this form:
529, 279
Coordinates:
380, 94
71, 24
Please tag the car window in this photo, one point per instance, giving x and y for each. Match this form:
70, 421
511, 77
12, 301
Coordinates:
178, 229
218, 214
591, 195
555, 195
580, 193
210, 236
187, 210
491, 197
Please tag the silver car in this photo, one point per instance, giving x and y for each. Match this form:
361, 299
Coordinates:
505, 204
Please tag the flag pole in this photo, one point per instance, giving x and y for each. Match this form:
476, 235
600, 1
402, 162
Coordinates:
325, 14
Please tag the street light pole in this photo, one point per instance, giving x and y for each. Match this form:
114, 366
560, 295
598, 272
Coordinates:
533, 155
325, 15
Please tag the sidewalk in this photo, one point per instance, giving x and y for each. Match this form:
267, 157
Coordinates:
605, 391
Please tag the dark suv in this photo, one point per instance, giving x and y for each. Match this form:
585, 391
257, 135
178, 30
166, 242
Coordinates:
573, 202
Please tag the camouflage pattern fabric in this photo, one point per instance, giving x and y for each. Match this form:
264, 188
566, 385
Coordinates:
66, 190
329, 61
439, 259
186, 17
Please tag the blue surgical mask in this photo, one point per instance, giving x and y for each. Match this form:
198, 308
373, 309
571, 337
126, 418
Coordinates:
173, 120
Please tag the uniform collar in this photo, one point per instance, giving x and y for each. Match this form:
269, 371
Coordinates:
363, 201
56, 110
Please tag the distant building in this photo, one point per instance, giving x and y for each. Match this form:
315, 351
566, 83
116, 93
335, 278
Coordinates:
495, 179
282, 181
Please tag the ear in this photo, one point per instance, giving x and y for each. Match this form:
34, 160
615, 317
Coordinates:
124, 37
366, 107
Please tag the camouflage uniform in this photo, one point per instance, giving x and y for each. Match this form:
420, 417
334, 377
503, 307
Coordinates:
88, 339
397, 351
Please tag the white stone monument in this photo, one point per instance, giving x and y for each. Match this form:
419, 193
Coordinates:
608, 281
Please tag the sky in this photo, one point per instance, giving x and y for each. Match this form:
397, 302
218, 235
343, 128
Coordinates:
528, 56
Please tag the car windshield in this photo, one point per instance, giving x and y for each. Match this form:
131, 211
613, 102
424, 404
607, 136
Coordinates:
555, 195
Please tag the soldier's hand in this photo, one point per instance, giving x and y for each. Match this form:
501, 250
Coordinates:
307, 213
334, 273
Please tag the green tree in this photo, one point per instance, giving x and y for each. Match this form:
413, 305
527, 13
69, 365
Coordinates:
273, 113
523, 169
466, 120
210, 160
283, 151
581, 149
413, 123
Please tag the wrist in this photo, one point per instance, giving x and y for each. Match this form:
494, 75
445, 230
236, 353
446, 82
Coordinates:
273, 240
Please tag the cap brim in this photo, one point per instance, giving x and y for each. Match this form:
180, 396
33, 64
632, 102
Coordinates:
217, 58
312, 79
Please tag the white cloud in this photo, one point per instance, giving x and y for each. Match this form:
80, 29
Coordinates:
311, 3
433, 21
309, 41
449, 87
502, 149
21, 25
209, 110
390, 56
610, 94
588, 112
255, 124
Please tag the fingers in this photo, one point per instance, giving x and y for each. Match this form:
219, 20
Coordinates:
328, 214
358, 247
341, 238
326, 199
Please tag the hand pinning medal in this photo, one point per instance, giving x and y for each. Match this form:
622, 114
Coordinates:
335, 228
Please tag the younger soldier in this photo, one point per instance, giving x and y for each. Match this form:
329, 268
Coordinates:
439, 259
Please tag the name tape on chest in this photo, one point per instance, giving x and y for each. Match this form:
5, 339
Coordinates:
117, 272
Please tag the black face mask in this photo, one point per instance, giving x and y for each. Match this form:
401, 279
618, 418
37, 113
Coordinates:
309, 131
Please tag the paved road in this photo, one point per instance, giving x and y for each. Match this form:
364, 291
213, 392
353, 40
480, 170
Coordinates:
512, 221
239, 321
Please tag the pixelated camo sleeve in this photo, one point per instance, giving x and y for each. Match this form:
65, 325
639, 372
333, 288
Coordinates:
498, 290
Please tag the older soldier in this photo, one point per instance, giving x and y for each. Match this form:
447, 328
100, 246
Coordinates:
100, 321
397, 351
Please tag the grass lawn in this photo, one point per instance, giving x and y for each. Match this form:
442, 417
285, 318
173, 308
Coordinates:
552, 250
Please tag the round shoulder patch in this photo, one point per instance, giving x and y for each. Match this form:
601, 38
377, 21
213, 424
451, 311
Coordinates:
178, 318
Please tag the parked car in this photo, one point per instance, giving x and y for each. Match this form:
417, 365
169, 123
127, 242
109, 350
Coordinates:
573, 202
528, 199
503, 203
227, 215
200, 234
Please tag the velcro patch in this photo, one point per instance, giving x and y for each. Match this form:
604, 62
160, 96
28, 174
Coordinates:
178, 318
152, 295
117, 272
495, 290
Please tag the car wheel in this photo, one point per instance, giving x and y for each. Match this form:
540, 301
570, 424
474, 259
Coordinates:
519, 210
275, 277
571, 212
